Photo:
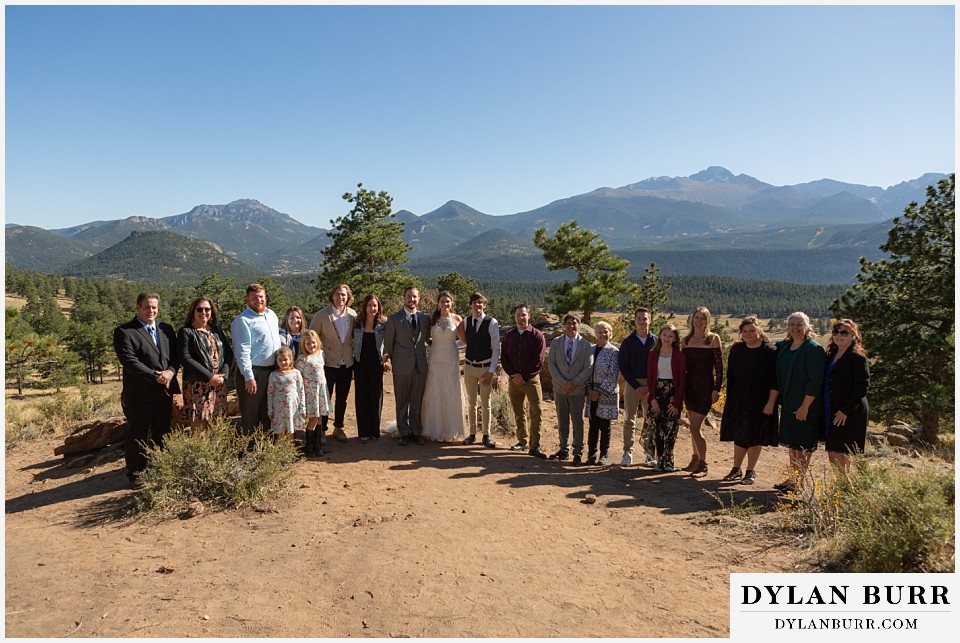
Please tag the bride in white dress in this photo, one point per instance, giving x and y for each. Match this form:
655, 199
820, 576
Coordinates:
443, 411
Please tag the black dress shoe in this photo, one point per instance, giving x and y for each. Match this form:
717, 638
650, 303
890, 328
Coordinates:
562, 454
418, 439
538, 453
489, 443
403, 441
592, 459
470, 439
519, 446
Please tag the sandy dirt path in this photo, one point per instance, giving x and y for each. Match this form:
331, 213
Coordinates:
388, 541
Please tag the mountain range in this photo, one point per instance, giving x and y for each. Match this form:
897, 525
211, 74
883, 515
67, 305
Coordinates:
712, 210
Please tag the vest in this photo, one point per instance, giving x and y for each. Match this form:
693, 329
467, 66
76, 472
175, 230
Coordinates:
478, 341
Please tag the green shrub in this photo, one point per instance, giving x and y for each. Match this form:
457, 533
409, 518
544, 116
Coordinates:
24, 425
218, 467
896, 520
881, 518
54, 414
63, 409
501, 413
737, 510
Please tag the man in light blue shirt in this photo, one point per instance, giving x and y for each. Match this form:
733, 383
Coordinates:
256, 339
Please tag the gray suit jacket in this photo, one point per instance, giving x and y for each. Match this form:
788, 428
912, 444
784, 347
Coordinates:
406, 348
578, 371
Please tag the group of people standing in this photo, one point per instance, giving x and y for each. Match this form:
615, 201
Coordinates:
291, 378
822, 397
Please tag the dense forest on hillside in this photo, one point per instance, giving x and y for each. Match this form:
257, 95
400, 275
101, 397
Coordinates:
817, 266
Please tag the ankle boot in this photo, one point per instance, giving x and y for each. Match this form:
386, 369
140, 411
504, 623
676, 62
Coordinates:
317, 442
310, 442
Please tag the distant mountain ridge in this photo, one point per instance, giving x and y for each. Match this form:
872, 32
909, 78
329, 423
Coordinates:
711, 209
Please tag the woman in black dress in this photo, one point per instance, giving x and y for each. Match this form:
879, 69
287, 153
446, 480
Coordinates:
368, 367
749, 414
704, 358
846, 380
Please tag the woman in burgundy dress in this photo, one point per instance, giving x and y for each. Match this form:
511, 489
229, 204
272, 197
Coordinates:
704, 358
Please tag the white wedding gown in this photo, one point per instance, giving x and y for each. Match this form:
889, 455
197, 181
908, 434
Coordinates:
443, 409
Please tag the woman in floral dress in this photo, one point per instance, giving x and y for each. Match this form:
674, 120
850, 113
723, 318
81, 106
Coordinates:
205, 356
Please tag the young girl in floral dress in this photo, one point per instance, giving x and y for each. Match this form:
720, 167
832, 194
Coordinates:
286, 405
310, 365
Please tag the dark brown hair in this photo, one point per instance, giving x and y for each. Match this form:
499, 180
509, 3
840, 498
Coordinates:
856, 346
362, 313
436, 313
192, 310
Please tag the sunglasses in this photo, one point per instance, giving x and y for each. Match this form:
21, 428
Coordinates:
201, 309
842, 331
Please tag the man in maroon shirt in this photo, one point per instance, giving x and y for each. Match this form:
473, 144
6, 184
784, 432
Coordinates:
522, 356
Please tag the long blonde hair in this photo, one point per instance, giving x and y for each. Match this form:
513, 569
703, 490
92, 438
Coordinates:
707, 334
303, 341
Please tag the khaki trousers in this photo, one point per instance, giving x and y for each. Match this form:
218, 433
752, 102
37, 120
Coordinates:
471, 382
634, 407
530, 391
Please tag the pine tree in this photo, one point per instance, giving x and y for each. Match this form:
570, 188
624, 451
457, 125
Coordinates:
460, 287
653, 293
904, 307
602, 277
368, 251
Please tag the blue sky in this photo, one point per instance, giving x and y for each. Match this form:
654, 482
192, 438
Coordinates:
115, 111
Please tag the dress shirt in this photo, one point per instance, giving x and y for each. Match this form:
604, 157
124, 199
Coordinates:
494, 330
256, 339
152, 331
341, 321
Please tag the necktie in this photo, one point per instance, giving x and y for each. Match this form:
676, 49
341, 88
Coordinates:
153, 335
569, 350
413, 321
476, 324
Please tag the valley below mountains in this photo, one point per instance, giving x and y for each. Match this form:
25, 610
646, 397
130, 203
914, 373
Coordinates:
710, 223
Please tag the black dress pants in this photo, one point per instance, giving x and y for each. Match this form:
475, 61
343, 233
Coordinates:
368, 399
148, 422
338, 381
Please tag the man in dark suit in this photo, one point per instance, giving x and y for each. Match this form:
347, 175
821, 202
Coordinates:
147, 351
405, 340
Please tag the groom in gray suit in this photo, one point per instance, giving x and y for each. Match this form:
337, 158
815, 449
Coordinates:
571, 364
405, 340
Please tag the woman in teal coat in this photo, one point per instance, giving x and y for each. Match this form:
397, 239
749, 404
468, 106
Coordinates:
800, 361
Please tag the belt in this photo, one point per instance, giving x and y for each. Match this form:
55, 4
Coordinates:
264, 368
478, 364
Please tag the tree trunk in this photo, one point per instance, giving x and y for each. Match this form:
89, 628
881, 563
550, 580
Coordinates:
929, 425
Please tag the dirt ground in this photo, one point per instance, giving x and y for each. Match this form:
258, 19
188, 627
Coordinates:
383, 540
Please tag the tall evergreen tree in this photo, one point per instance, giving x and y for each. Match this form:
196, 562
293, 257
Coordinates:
368, 251
44, 315
27, 354
602, 277
460, 287
904, 306
653, 294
